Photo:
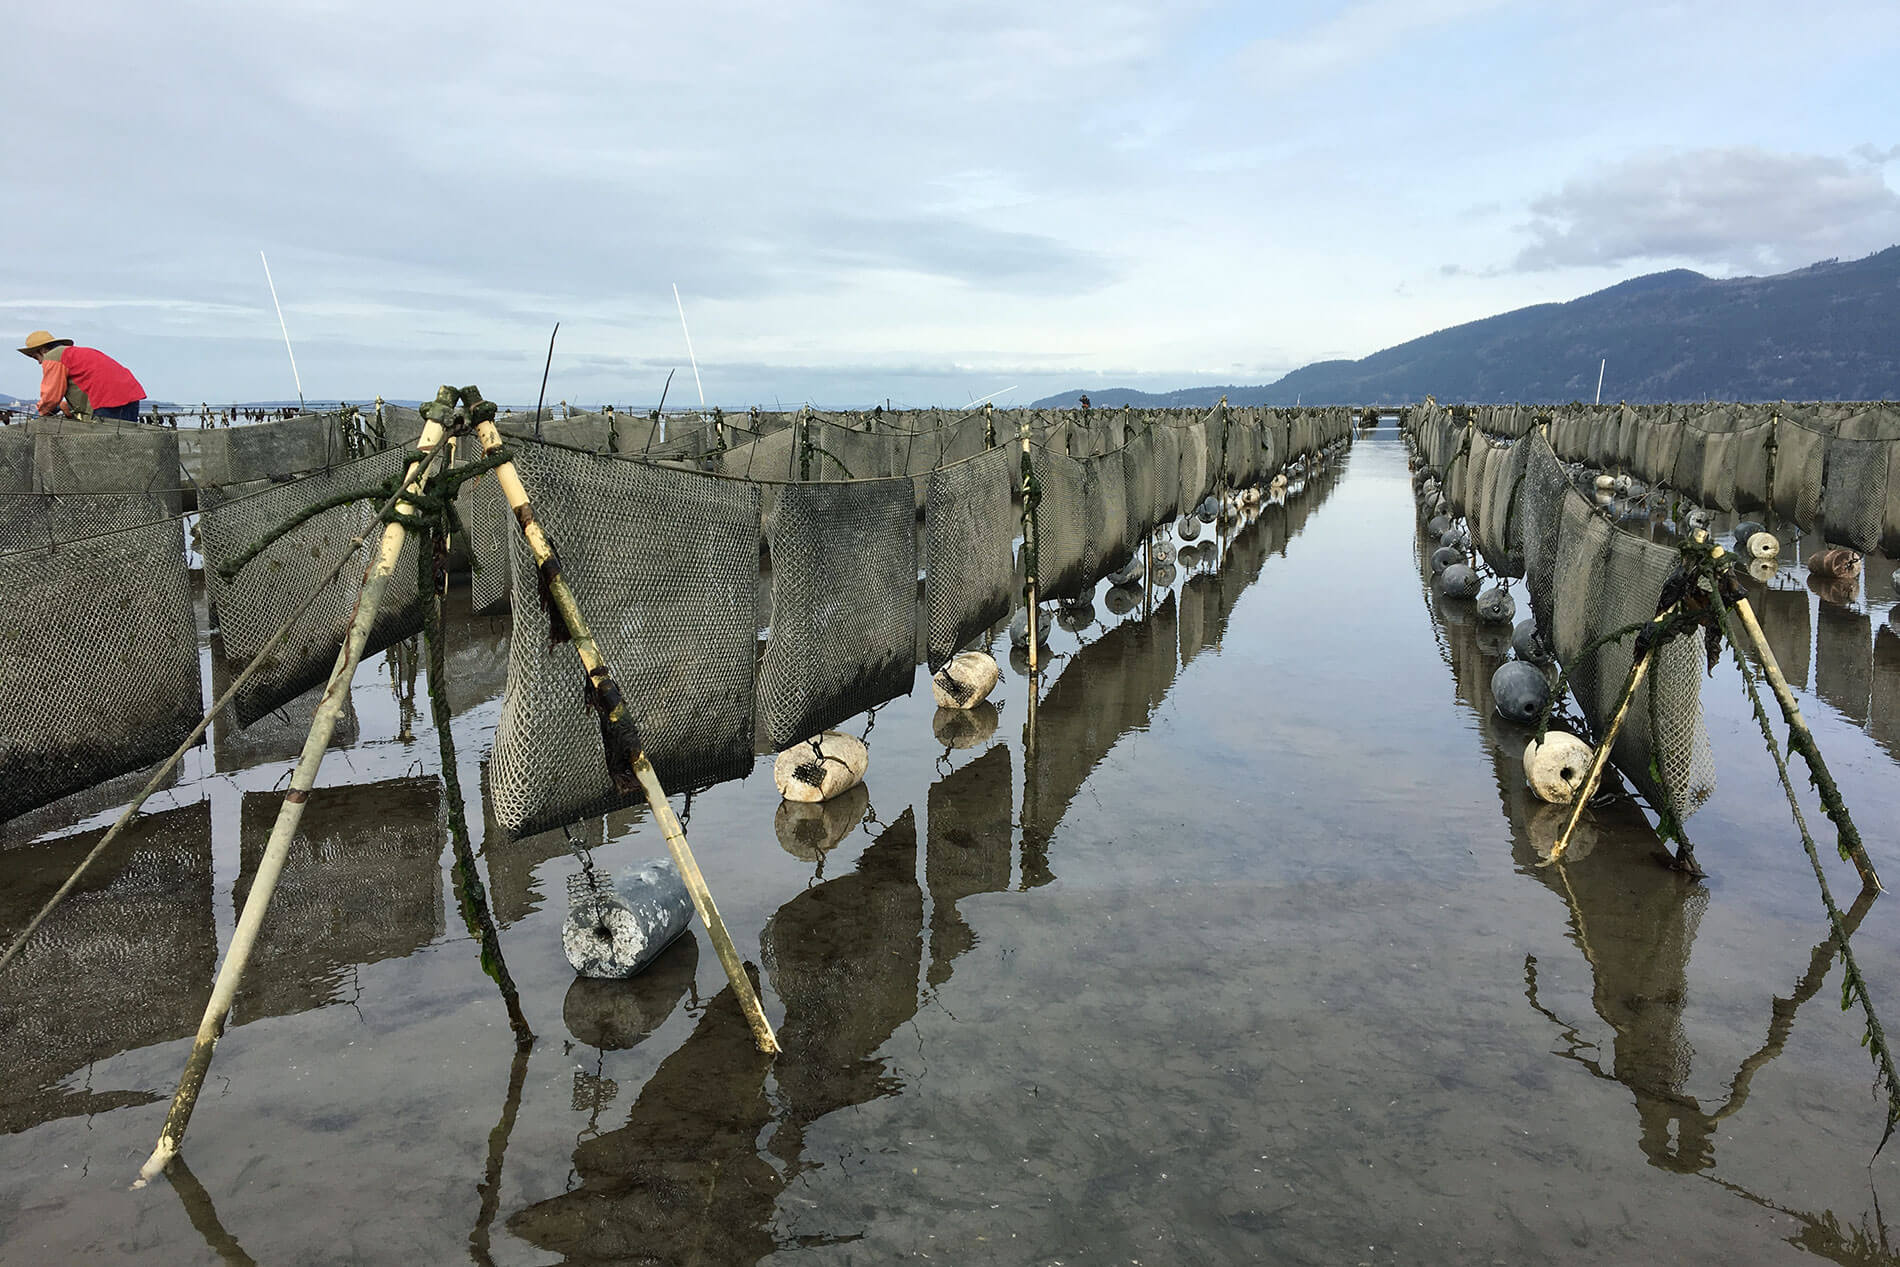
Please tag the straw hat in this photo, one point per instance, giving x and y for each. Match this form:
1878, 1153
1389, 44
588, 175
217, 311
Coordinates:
40, 340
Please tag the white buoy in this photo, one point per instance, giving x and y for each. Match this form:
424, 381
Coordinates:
1764, 546
821, 768
1555, 768
965, 681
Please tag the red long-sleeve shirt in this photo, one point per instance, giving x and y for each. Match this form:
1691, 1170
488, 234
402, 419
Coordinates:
106, 383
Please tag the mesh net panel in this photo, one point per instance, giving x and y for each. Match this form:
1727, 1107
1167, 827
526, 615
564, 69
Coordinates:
1800, 463
664, 565
98, 661
844, 605
1194, 466
1502, 538
1687, 476
1751, 456
108, 458
16, 460
48, 519
1167, 473
1721, 448
1663, 748
1540, 503
968, 526
1109, 546
1583, 546
1062, 526
1141, 479
253, 605
489, 524
1856, 497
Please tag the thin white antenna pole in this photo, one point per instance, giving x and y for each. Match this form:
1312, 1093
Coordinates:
295, 376
992, 396
689, 345
1601, 366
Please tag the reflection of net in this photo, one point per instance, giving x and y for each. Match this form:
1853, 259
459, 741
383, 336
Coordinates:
1884, 720
362, 883
1662, 748
1540, 503
664, 565
98, 661
121, 964
968, 529
49, 519
1062, 526
844, 603
1843, 665
968, 850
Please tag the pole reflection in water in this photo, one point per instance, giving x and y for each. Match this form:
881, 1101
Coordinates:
968, 850
123, 963
1634, 922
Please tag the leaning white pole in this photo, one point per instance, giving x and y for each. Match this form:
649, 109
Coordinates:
289, 815
294, 375
1601, 366
689, 345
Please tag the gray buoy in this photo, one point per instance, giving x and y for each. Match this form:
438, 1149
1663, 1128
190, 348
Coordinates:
1496, 607
1122, 599
1189, 527
613, 932
1528, 646
1019, 629
1459, 581
1456, 539
1129, 575
1209, 509
1743, 531
1698, 520
1162, 553
1520, 692
1438, 527
1444, 557
1163, 575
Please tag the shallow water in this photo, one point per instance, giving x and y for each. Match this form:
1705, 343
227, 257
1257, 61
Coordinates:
1238, 953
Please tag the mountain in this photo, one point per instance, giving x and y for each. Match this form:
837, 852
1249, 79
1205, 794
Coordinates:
1830, 331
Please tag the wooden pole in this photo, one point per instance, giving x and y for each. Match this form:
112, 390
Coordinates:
1029, 547
1601, 757
289, 815
600, 678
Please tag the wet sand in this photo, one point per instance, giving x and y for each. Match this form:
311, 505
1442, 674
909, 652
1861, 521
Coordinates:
1240, 954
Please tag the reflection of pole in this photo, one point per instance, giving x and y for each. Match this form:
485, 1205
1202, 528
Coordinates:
289, 815
497, 1149
1029, 548
204, 1216
618, 722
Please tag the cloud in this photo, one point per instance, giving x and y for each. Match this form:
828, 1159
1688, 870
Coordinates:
1874, 154
1354, 36
1740, 208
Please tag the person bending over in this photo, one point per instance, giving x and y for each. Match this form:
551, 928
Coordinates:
76, 381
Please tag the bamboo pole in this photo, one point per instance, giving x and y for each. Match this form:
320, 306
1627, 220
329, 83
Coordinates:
1601, 757
1029, 547
289, 815
600, 678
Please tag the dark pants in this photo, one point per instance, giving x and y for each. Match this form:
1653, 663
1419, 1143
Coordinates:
119, 413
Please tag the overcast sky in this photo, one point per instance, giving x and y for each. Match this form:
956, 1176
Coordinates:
926, 202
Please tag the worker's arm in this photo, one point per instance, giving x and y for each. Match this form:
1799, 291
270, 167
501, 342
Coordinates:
53, 383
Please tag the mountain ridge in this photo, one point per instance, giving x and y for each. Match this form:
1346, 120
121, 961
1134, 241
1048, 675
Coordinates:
1827, 331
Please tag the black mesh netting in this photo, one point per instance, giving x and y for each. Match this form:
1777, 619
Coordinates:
1721, 452
1856, 487
1141, 475
844, 605
1583, 546
1195, 479
1501, 538
16, 460
1062, 526
1540, 501
968, 526
489, 525
254, 604
108, 458
48, 519
1663, 748
1167, 473
1754, 434
1110, 547
98, 661
1800, 464
664, 565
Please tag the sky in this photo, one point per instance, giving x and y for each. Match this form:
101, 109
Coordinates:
925, 203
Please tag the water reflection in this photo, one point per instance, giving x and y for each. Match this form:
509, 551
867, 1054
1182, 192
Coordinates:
1634, 922
123, 963
968, 850
362, 883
